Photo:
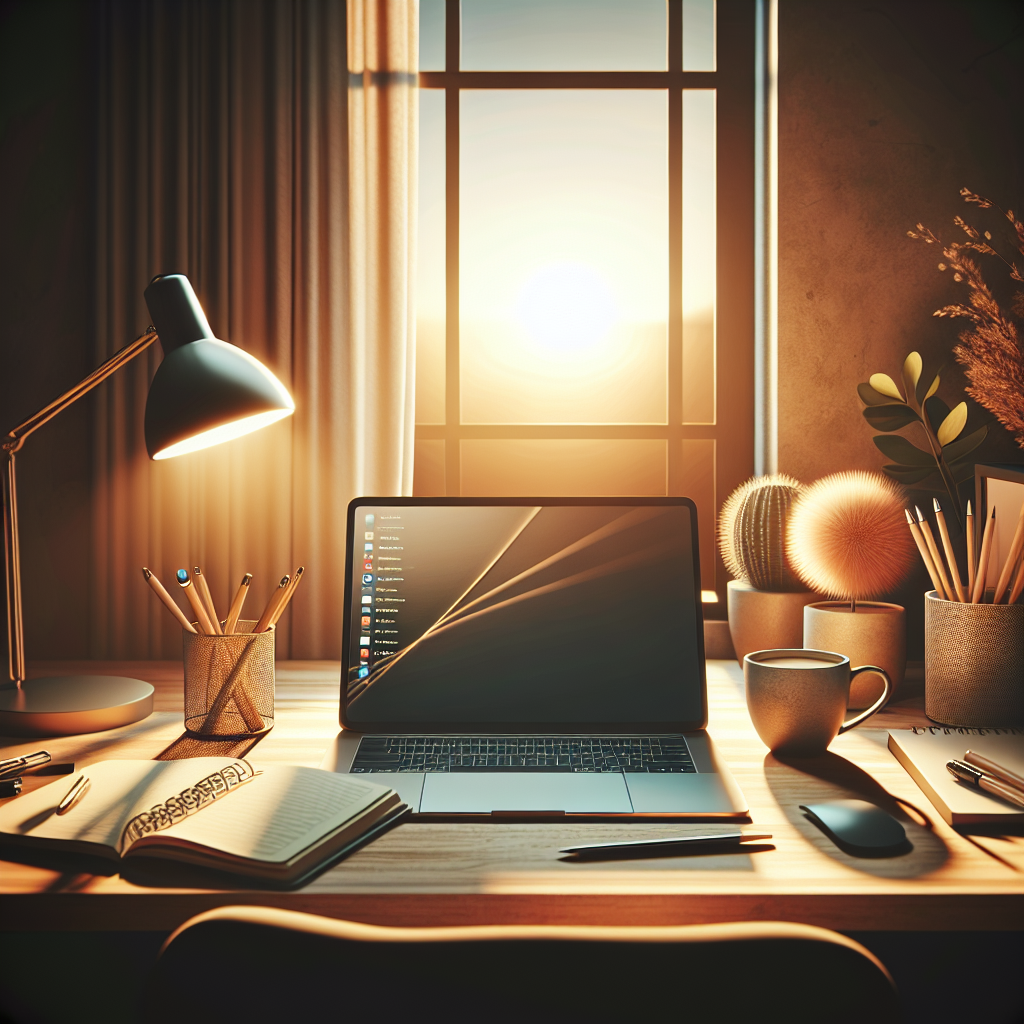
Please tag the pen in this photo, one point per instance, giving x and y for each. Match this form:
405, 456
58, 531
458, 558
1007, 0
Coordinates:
185, 582
645, 847
158, 588
940, 568
967, 773
283, 603
275, 599
17, 765
991, 768
915, 532
947, 546
236, 605
74, 794
207, 599
10, 787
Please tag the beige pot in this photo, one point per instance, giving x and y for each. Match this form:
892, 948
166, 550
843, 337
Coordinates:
763, 620
876, 634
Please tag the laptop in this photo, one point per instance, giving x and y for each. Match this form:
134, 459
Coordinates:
529, 658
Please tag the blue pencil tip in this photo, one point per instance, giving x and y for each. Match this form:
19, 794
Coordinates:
182, 575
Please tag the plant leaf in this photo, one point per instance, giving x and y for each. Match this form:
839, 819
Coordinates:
937, 411
890, 417
885, 385
869, 396
933, 388
960, 449
952, 425
901, 451
909, 474
962, 471
912, 367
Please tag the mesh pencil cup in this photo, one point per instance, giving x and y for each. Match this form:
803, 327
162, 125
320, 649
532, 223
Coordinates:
229, 682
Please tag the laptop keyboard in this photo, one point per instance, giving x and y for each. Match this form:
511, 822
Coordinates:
522, 754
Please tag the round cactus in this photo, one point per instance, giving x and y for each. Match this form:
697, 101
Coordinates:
752, 532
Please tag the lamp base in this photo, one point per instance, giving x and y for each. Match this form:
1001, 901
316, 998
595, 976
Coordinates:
68, 705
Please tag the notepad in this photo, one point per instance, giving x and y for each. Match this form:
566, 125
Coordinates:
925, 751
277, 823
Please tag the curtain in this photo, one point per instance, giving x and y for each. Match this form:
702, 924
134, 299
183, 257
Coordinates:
265, 148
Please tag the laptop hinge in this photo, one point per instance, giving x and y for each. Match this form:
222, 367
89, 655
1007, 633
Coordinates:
532, 815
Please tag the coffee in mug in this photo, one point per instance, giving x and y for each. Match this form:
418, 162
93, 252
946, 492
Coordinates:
797, 698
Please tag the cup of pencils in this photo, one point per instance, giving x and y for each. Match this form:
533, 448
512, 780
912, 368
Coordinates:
229, 663
973, 633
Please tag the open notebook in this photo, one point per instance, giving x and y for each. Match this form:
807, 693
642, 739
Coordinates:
277, 823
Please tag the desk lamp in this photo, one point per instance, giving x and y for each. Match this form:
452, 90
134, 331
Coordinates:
204, 392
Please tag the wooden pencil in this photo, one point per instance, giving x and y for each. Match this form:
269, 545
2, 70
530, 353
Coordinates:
284, 602
972, 555
158, 588
986, 553
926, 532
275, 598
207, 599
1011, 559
185, 582
925, 556
1018, 586
236, 605
947, 547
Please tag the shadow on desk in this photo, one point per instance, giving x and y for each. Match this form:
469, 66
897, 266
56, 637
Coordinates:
794, 781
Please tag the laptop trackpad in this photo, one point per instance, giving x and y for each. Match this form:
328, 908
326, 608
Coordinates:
484, 792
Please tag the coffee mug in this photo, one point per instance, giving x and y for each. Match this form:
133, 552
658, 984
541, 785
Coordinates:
797, 698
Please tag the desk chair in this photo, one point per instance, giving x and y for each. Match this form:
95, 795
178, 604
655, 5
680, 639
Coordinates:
257, 964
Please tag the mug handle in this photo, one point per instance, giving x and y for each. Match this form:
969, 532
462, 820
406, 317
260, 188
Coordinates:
877, 706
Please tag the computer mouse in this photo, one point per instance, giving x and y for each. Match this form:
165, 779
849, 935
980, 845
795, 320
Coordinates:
859, 828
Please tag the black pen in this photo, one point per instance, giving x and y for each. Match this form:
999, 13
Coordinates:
967, 773
10, 787
654, 847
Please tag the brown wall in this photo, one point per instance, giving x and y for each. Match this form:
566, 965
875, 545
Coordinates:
886, 110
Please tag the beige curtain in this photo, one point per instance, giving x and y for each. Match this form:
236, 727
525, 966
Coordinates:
236, 147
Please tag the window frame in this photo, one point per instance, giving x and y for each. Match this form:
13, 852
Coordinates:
733, 429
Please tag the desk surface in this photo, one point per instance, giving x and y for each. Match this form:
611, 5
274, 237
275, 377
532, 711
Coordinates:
420, 874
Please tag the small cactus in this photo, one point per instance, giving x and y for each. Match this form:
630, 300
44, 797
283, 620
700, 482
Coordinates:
752, 532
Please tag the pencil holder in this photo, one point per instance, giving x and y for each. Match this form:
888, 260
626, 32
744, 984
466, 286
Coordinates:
973, 663
229, 682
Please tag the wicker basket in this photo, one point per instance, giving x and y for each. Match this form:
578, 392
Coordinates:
229, 682
973, 663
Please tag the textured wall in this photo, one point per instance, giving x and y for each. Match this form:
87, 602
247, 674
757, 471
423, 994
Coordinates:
886, 110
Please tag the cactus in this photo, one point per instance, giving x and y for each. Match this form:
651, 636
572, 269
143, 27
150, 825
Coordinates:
752, 532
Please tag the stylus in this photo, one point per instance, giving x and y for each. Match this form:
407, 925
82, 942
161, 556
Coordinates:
647, 847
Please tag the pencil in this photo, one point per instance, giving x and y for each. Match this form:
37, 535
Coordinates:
1011, 559
185, 582
236, 605
207, 599
1018, 587
972, 555
275, 598
286, 600
926, 532
986, 553
158, 588
947, 547
922, 547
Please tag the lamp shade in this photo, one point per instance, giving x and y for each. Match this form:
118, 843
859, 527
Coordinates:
205, 391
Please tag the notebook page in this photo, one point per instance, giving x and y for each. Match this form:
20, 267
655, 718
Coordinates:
279, 814
118, 791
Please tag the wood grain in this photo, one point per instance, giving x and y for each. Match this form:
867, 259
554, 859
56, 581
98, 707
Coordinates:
435, 873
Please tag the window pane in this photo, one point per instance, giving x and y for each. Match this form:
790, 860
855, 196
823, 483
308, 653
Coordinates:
699, 35
564, 468
430, 274
563, 35
699, 256
563, 256
432, 35
428, 469
698, 471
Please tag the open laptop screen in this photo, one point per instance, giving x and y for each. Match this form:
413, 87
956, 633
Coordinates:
523, 613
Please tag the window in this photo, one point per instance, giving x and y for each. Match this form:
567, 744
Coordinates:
585, 292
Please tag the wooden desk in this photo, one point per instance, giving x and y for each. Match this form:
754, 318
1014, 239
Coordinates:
422, 874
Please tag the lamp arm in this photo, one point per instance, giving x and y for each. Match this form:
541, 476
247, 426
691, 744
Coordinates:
11, 445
